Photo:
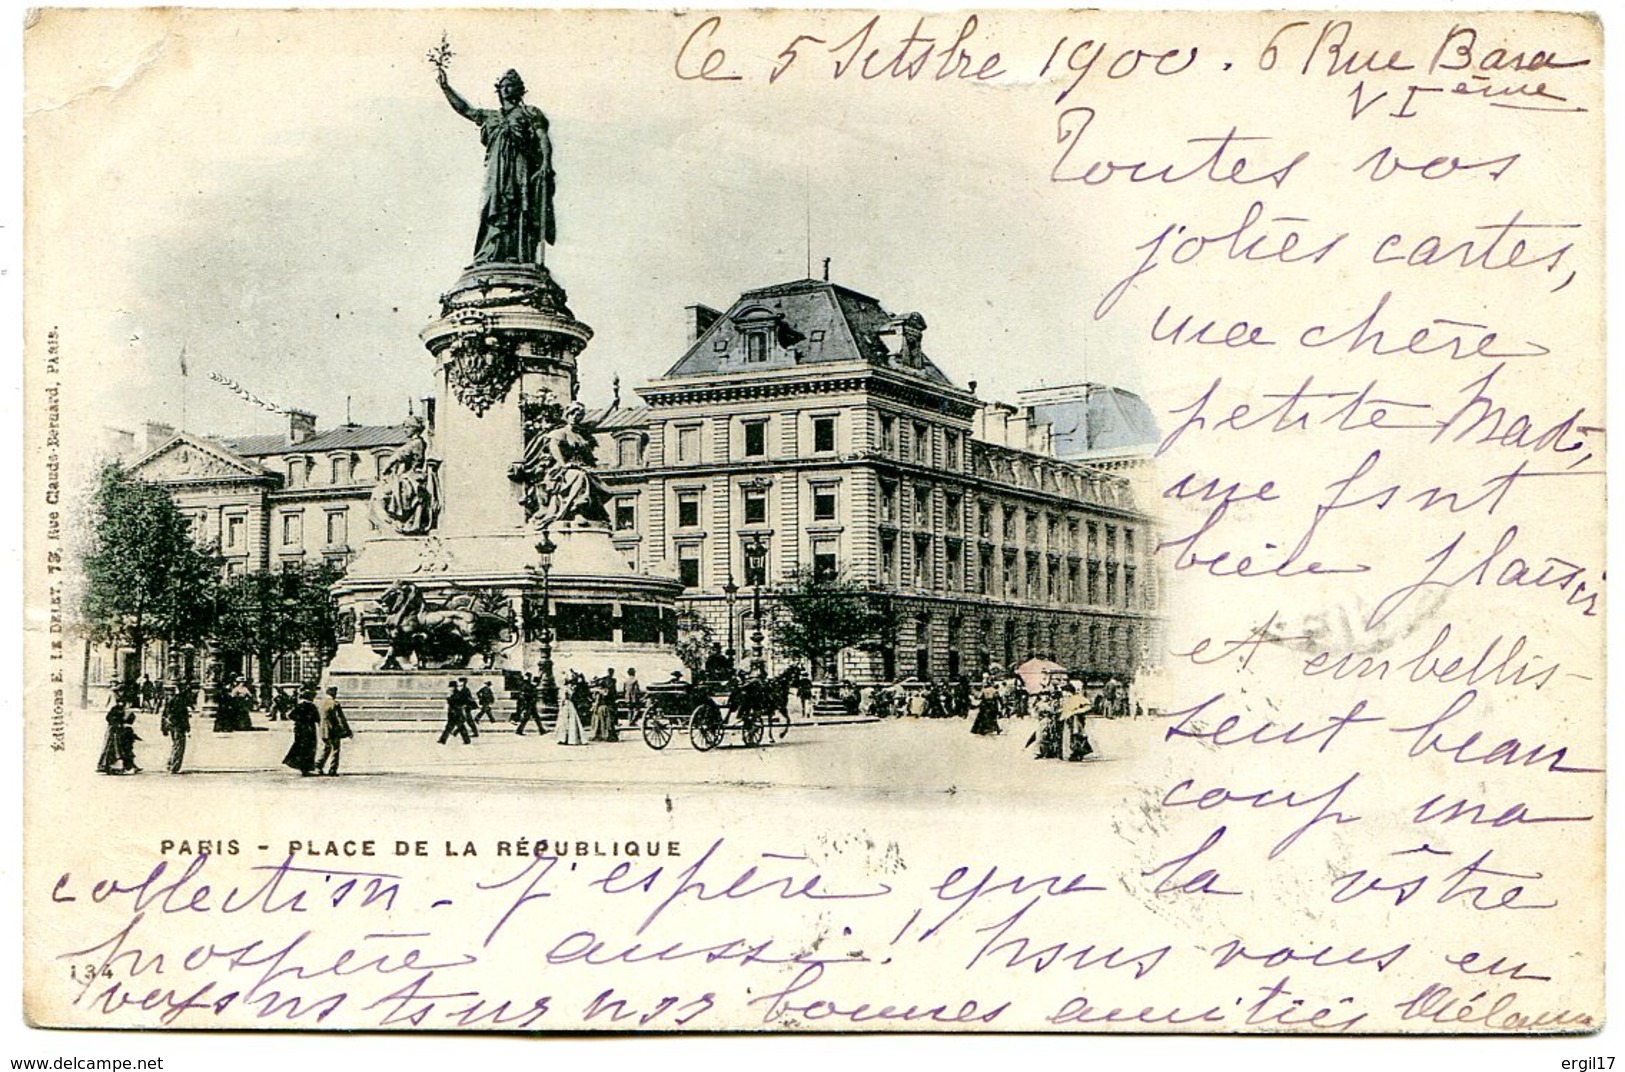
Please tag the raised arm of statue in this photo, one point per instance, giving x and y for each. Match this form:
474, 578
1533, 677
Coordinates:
455, 99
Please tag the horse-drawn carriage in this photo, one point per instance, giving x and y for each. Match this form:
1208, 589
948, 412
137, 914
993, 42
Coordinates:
709, 711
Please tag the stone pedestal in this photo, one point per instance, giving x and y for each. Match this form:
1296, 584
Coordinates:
505, 342
504, 334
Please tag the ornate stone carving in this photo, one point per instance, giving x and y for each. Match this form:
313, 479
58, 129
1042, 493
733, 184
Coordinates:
481, 364
186, 461
433, 557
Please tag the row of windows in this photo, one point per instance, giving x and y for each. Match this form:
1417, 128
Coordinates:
917, 449
1054, 476
825, 507
753, 436
236, 567
982, 634
1033, 577
1061, 535
751, 440
337, 528
234, 529
338, 469
754, 555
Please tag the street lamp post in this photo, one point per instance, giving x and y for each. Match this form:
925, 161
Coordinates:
544, 660
731, 590
756, 567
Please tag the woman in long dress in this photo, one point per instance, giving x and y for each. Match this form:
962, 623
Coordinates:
225, 708
1048, 735
987, 712
1077, 747
603, 713
306, 720
572, 698
109, 760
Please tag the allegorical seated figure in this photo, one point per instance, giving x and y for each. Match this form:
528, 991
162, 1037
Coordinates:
407, 498
556, 472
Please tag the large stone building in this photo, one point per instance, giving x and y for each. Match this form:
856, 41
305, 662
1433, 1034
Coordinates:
263, 502
808, 421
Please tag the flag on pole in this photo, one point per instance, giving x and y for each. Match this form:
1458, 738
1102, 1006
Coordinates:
183, 359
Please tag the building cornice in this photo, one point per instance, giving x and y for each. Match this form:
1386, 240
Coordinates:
812, 379
291, 496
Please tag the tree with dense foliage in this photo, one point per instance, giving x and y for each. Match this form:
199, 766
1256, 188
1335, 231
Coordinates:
272, 613
822, 615
146, 578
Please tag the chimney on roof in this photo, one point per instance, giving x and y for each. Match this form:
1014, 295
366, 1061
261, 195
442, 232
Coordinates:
301, 426
996, 423
158, 433
700, 318
1016, 434
1040, 434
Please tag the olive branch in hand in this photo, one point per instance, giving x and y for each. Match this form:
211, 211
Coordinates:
441, 54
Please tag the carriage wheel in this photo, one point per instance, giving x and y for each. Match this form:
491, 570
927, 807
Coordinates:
752, 731
656, 732
705, 728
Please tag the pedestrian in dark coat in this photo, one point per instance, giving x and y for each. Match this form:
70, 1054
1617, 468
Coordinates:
530, 695
487, 700
467, 705
632, 695
110, 760
177, 724
306, 720
455, 722
987, 712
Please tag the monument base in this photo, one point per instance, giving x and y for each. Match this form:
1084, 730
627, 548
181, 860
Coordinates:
592, 613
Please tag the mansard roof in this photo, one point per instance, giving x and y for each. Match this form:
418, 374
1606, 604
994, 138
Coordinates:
808, 322
344, 437
1092, 419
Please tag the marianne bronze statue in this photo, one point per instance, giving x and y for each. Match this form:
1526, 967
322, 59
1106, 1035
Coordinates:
516, 216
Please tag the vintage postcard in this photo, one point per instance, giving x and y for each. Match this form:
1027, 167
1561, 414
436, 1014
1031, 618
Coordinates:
814, 521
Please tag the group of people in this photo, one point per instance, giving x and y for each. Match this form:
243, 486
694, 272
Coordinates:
1061, 708
317, 721
1061, 732
317, 725
174, 705
598, 700
928, 700
587, 710
465, 708
143, 695
234, 710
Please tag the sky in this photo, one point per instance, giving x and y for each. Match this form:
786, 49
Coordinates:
285, 197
